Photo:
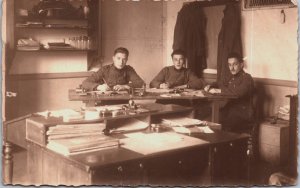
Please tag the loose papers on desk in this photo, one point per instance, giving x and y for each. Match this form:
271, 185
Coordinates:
128, 125
158, 142
186, 125
181, 121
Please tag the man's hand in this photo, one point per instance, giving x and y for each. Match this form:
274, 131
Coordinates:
207, 88
181, 87
164, 86
103, 87
214, 91
121, 87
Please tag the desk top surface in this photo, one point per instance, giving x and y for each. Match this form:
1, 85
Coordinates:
120, 155
153, 109
150, 94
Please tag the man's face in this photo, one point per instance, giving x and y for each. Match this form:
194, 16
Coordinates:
178, 61
235, 66
120, 60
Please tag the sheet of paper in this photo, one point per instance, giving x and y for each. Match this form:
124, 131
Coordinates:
158, 142
131, 125
182, 130
206, 129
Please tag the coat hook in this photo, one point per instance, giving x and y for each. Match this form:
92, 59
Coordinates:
282, 16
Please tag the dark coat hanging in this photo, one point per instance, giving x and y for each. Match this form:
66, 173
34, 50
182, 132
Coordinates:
229, 40
189, 35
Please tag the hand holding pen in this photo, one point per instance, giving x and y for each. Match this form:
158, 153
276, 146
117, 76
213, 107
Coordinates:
103, 87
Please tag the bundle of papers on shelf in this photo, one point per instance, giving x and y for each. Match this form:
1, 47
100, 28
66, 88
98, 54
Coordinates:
79, 145
28, 44
284, 112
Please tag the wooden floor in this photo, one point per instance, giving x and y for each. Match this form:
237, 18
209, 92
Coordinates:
259, 173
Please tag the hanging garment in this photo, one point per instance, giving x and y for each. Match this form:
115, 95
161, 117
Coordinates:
229, 40
189, 35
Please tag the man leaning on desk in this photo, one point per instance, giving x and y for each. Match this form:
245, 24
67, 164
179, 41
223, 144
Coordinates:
117, 76
177, 75
237, 114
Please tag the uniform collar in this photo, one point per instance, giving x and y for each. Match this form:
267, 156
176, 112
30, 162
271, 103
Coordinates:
116, 69
238, 74
182, 69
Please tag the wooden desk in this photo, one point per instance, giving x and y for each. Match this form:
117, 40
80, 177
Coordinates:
216, 100
223, 161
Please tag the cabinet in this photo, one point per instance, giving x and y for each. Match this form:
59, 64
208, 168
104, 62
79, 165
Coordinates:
57, 30
274, 142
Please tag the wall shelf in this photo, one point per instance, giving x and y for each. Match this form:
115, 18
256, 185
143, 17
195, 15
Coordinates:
53, 26
57, 50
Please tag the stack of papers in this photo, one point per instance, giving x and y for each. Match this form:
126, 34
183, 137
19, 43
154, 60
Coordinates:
284, 112
187, 125
181, 121
74, 130
195, 129
82, 144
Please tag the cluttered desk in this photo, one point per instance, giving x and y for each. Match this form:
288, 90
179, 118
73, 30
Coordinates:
130, 147
91, 98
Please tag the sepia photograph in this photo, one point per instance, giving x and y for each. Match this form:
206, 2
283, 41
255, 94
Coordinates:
200, 93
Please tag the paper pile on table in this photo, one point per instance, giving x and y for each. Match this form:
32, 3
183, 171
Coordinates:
79, 145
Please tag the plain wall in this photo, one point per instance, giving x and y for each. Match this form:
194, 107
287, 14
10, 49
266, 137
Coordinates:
137, 26
270, 46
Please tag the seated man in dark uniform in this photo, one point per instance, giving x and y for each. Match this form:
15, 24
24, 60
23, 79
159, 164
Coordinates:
117, 76
237, 113
177, 75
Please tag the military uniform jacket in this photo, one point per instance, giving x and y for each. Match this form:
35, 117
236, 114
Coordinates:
112, 76
241, 85
176, 78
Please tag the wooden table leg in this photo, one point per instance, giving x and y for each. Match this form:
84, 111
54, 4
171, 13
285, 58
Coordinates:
7, 163
215, 111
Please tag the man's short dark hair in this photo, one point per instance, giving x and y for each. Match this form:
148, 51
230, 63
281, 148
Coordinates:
235, 55
178, 52
121, 50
